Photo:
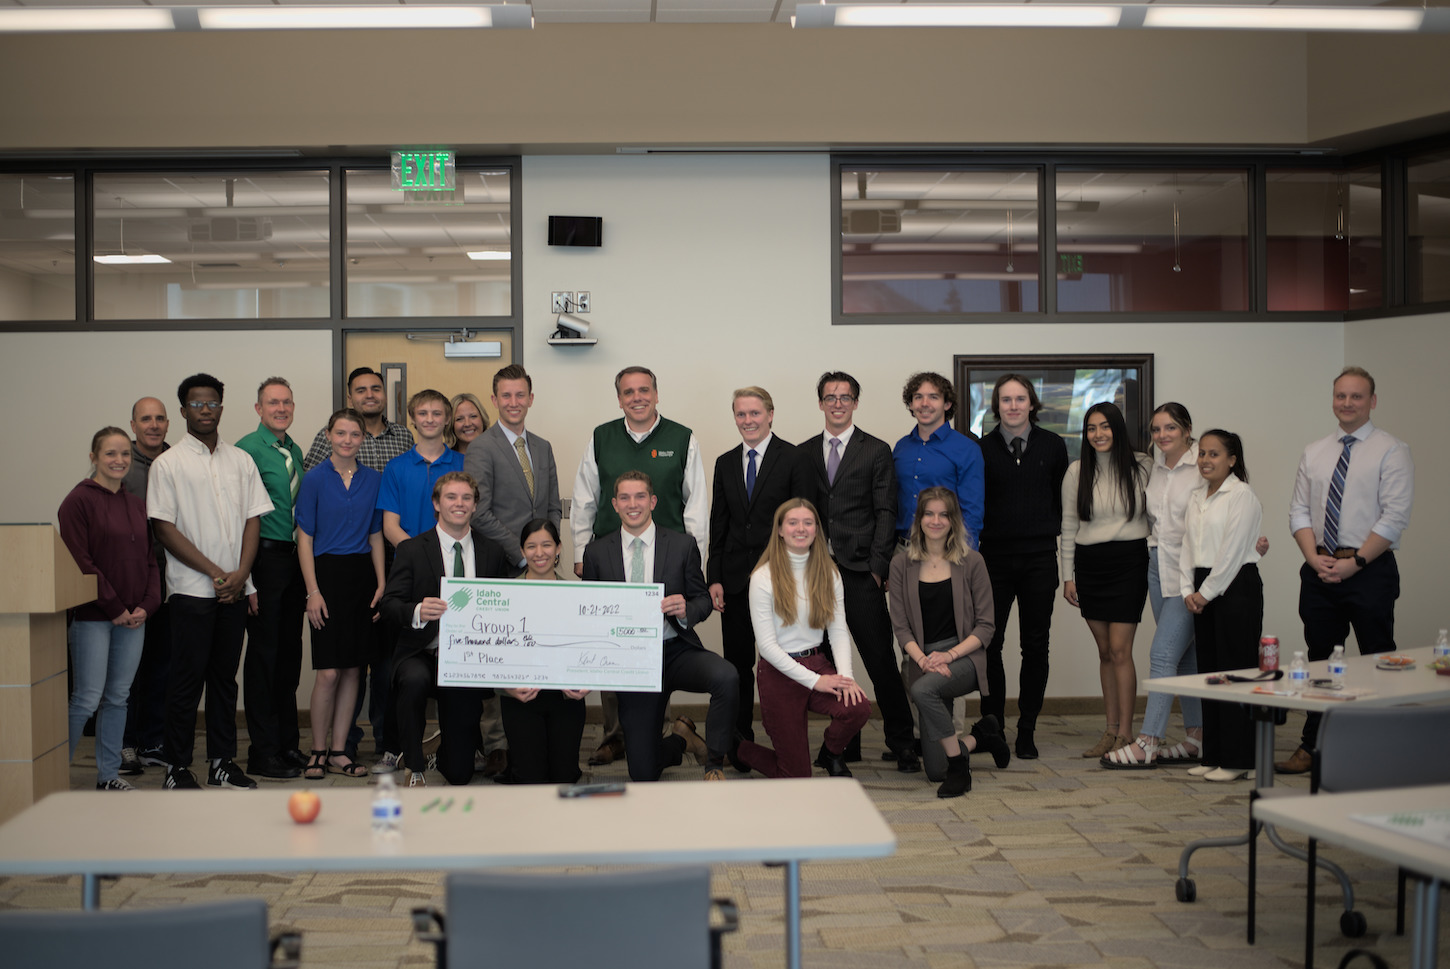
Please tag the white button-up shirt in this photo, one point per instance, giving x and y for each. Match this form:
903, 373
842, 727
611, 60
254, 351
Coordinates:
1220, 532
1379, 487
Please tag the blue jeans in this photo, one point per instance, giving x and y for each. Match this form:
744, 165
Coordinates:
1171, 655
104, 658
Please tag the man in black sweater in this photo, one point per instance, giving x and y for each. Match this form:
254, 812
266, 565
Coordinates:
1025, 465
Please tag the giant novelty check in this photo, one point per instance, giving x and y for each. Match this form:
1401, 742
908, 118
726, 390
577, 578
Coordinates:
554, 635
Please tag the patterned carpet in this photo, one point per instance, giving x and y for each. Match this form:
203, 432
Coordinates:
1047, 863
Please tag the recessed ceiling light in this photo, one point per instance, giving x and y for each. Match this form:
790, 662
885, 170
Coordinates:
123, 260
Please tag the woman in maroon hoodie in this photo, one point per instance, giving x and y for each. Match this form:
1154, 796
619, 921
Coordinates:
105, 530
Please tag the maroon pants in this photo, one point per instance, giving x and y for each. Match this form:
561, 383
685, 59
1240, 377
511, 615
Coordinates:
784, 704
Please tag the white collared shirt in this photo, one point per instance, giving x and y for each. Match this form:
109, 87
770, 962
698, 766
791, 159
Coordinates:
759, 449
1220, 532
209, 496
511, 437
470, 566
1167, 501
648, 536
844, 437
1379, 487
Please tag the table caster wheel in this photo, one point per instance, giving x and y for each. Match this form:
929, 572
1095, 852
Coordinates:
1187, 891
1352, 924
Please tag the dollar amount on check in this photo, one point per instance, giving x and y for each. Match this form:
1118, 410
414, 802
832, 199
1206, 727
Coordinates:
551, 635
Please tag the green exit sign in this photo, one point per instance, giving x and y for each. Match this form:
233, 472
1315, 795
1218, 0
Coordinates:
423, 171
1070, 263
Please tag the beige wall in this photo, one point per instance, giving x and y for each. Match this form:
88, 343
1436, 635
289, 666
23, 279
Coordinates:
651, 84
1362, 82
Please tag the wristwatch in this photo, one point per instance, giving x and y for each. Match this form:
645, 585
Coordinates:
1359, 560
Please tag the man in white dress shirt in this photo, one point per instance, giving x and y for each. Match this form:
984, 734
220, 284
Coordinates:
205, 500
1352, 500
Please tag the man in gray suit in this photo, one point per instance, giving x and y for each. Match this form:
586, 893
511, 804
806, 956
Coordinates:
514, 468
641, 551
517, 482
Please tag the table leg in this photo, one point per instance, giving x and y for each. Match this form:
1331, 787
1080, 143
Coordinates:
1424, 946
90, 892
793, 915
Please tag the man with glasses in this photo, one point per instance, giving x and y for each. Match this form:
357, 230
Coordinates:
205, 500
853, 486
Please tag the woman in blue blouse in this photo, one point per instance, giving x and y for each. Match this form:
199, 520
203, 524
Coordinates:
340, 549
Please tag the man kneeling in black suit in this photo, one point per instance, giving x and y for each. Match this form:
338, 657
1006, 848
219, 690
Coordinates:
411, 600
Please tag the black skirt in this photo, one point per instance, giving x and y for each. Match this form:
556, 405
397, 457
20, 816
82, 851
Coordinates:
1112, 580
347, 584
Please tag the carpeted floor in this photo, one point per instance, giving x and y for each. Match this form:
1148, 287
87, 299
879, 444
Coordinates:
1047, 863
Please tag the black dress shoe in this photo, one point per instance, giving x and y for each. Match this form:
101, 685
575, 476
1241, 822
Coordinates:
834, 764
908, 761
274, 767
295, 757
1026, 749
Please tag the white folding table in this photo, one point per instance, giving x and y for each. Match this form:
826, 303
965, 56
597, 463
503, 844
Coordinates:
777, 821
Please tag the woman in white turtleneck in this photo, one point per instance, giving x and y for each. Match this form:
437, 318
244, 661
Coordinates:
1105, 558
796, 596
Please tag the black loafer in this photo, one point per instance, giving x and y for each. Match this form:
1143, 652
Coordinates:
273, 767
907, 762
1026, 749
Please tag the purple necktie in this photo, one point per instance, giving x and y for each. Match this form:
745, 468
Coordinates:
834, 461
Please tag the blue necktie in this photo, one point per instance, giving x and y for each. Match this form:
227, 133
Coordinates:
750, 474
1336, 496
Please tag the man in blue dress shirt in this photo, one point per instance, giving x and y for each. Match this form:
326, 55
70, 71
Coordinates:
933, 454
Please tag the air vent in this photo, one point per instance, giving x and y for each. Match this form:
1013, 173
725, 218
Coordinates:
230, 229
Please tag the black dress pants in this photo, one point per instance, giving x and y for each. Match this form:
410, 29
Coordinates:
870, 626
1226, 637
695, 670
1031, 579
206, 640
737, 635
415, 679
272, 665
544, 736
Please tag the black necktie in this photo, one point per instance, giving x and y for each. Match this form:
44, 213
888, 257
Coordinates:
1017, 449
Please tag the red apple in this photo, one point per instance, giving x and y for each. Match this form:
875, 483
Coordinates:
304, 807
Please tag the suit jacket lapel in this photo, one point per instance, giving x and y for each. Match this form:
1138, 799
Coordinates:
512, 457
851, 454
435, 560
816, 446
767, 464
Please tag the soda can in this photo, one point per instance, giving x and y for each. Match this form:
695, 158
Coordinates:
1269, 653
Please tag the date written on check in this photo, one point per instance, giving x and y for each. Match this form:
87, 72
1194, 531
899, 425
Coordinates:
551, 635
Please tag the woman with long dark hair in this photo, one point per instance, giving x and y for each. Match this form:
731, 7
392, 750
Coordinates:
941, 608
1220, 585
1105, 558
544, 727
795, 596
105, 529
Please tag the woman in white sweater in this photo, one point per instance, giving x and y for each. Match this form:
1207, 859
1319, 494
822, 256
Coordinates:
1105, 558
796, 596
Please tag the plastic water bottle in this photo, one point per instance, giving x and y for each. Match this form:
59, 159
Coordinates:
1337, 667
1442, 645
387, 809
1298, 673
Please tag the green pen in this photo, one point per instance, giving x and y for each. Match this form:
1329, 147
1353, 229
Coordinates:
469, 806
446, 806
431, 804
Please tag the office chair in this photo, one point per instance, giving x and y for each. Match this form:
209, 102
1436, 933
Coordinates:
629, 919
222, 935
1365, 749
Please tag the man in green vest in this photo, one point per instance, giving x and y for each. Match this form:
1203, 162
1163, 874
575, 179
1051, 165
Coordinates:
641, 440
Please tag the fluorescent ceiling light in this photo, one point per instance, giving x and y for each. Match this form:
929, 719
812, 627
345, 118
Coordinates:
964, 15
122, 260
1230, 17
33, 19
486, 255
350, 17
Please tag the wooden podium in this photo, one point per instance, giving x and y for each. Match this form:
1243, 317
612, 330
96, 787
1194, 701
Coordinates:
38, 581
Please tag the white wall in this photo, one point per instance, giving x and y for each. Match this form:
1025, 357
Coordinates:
716, 273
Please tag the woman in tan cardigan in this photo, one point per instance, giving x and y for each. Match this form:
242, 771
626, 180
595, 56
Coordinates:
941, 608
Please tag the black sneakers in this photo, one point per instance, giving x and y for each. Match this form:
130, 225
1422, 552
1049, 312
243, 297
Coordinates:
152, 756
130, 763
228, 774
114, 784
180, 779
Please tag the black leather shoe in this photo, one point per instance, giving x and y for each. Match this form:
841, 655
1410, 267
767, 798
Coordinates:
295, 757
273, 767
1026, 749
835, 764
908, 761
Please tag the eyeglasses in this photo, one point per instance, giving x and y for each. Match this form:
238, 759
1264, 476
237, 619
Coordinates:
838, 399
204, 404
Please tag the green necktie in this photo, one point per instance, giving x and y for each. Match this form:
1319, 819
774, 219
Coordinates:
294, 483
636, 561
458, 560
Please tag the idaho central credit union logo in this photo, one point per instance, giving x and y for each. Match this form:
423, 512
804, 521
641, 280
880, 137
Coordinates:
661, 454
